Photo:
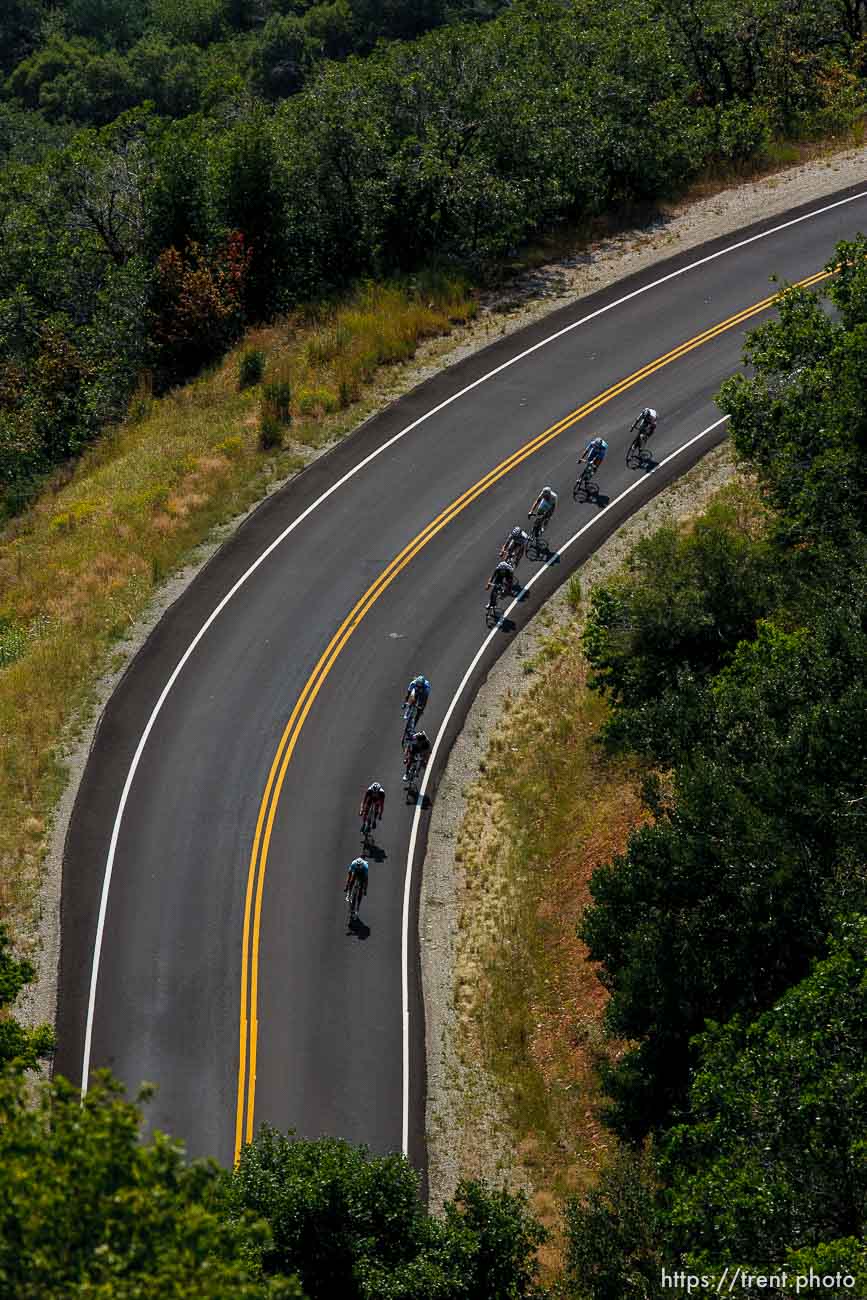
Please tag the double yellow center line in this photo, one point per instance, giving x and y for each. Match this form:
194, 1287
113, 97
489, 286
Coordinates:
289, 739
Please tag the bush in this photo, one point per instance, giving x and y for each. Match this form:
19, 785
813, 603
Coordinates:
252, 367
277, 398
270, 432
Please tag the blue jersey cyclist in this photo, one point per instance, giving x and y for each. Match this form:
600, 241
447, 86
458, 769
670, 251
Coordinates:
358, 870
594, 452
417, 692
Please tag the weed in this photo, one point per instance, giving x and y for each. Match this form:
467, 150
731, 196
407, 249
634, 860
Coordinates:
251, 367
270, 432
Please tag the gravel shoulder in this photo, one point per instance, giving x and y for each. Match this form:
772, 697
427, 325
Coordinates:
528, 297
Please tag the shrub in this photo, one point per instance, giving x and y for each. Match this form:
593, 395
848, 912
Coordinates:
270, 432
277, 399
252, 367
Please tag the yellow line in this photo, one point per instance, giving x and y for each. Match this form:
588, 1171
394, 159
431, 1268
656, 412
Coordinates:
292, 730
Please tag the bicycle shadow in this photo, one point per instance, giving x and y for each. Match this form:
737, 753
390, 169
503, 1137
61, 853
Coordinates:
543, 555
645, 463
358, 929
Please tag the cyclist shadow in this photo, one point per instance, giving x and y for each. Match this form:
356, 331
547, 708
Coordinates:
593, 498
374, 851
644, 462
413, 800
357, 928
542, 554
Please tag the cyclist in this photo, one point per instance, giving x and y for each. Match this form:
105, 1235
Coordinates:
594, 452
544, 505
372, 804
503, 578
358, 870
417, 692
645, 424
417, 750
514, 546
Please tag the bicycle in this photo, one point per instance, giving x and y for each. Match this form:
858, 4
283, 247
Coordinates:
415, 766
368, 824
412, 711
491, 613
635, 450
353, 899
538, 545
584, 482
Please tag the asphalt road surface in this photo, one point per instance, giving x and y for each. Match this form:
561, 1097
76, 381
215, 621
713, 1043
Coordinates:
205, 944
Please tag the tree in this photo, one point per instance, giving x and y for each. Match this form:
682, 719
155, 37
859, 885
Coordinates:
672, 618
353, 1225
140, 1221
20, 22
717, 907
101, 181
284, 54
197, 305
328, 1204
802, 419
250, 197
616, 1234
772, 1159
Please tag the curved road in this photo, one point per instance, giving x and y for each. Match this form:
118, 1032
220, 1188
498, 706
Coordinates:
224, 968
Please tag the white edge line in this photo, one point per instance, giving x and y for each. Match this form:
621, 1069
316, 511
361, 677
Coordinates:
136, 759
407, 884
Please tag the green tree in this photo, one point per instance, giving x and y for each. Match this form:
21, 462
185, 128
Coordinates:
802, 419
111, 22
328, 1204
616, 1234
672, 618
719, 906
352, 1225
20, 22
196, 21
87, 1209
284, 54
250, 197
773, 1157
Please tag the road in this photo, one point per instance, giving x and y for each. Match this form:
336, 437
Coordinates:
204, 937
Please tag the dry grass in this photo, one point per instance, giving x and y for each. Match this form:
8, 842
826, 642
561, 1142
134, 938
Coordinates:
549, 809
78, 569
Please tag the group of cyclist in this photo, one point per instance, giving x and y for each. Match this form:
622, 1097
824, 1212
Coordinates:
502, 580
416, 751
416, 745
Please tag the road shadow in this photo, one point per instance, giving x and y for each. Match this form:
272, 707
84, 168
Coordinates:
644, 462
358, 929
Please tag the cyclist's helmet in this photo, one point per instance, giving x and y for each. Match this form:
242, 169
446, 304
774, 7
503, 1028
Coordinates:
546, 492
358, 864
375, 788
516, 534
